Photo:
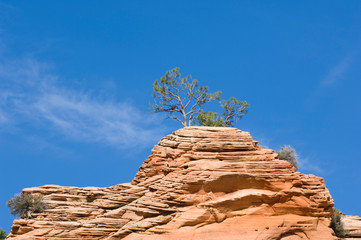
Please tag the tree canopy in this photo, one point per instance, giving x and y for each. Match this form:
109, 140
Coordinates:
2, 234
26, 203
183, 99
182, 96
233, 110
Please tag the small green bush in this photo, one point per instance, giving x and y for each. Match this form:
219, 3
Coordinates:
26, 203
210, 119
2, 234
289, 154
337, 224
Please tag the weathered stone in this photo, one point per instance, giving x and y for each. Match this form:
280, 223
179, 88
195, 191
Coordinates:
198, 183
352, 225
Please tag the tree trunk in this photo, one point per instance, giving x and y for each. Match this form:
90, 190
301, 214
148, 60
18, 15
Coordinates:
28, 214
184, 119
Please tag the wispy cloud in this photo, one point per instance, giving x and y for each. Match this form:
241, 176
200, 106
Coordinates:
337, 72
28, 92
3, 118
305, 165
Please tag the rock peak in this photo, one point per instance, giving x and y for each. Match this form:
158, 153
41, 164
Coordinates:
199, 183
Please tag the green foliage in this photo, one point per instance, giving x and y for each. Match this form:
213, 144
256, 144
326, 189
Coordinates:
209, 119
26, 203
182, 96
233, 110
2, 234
337, 224
289, 154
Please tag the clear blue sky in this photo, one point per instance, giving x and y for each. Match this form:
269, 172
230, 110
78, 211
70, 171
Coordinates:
76, 84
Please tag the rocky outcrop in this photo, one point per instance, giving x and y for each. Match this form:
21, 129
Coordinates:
352, 226
198, 183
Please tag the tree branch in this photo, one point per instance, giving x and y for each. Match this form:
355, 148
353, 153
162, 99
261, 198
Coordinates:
174, 117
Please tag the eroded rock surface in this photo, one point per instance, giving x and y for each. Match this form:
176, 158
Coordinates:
352, 225
199, 183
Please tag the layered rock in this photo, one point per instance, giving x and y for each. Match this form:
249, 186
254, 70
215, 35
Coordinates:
352, 226
198, 183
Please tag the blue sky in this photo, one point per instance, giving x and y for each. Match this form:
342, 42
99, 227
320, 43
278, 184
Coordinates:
76, 84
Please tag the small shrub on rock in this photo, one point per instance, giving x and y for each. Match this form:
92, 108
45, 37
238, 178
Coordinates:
337, 224
26, 204
289, 154
2, 234
210, 119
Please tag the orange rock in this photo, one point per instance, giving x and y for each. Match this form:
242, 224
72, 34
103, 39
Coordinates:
199, 183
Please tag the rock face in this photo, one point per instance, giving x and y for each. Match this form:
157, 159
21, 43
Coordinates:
199, 183
352, 225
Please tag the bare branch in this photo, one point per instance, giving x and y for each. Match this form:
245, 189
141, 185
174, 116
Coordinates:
174, 117
198, 102
191, 117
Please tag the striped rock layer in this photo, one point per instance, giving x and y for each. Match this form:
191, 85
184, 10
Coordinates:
199, 183
352, 226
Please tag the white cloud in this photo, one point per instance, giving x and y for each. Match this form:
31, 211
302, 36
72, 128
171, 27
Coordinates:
334, 76
30, 93
337, 72
3, 118
305, 165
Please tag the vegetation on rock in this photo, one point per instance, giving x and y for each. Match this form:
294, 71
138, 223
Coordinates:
337, 224
2, 234
26, 204
233, 110
211, 119
289, 154
183, 99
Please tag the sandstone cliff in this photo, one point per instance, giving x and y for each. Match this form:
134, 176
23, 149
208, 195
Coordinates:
199, 183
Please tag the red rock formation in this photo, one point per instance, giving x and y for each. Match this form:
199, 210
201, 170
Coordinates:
199, 183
